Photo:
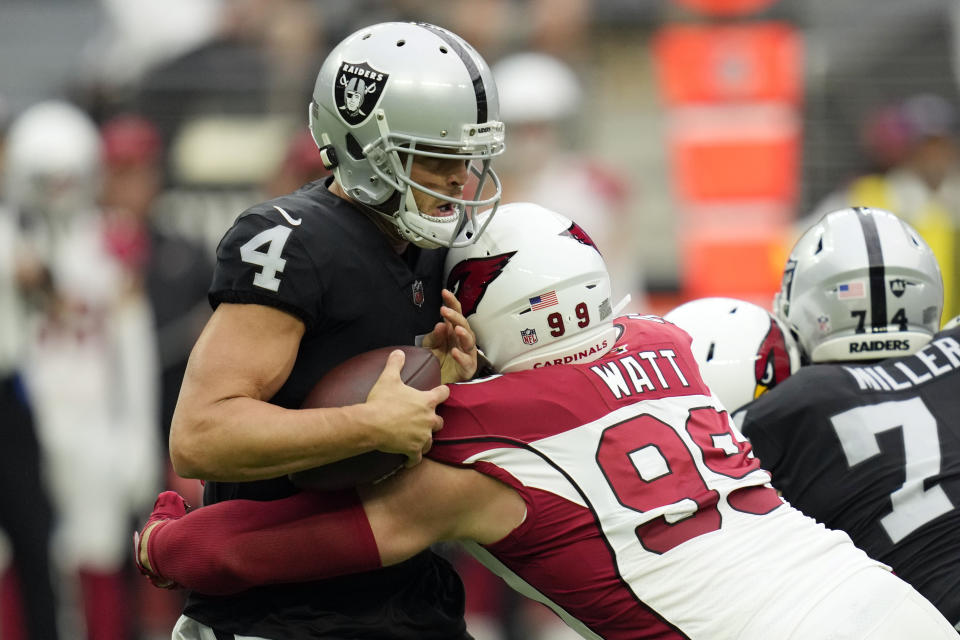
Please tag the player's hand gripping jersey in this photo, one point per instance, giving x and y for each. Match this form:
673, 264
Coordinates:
874, 449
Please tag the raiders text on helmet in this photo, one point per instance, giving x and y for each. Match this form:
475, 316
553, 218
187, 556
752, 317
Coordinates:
861, 284
395, 91
535, 290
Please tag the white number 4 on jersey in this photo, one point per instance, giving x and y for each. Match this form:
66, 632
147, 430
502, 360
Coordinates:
270, 259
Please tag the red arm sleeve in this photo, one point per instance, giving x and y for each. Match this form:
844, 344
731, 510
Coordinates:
234, 545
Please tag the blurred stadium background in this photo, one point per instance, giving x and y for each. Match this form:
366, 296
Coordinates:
692, 138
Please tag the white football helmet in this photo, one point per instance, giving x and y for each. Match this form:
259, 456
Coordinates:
52, 161
536, 87
741, 348
535, 290
397, 90
860, 284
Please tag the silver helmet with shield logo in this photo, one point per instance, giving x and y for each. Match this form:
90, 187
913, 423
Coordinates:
396, 91
860, 284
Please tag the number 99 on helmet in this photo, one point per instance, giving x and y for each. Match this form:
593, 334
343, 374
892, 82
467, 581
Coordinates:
396, 91
535, 290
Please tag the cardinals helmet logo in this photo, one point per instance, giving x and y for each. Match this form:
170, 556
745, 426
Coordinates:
578, 234
773, 361
468, 280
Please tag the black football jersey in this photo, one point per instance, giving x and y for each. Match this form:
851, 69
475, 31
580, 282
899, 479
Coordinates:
874, 449
318, 257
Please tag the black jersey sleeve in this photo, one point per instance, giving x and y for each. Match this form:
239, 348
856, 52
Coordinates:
261, 260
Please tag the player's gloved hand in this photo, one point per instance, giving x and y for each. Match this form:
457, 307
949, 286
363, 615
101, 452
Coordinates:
453, 342
169, 505
402, 418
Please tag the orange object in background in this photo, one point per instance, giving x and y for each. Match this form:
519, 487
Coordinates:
726, 8
707, 64
732, 95
747, 265
737, 153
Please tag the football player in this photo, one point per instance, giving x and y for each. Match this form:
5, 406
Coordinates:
26, 516
866, 437
405, 115
597, 475
742, 349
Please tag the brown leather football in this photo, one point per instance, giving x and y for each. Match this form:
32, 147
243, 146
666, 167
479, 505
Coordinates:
350, 383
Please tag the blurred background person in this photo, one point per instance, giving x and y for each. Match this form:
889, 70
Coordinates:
28, 601
174, 271
914, 143
90, 366
301, 164
228, 103
541, 101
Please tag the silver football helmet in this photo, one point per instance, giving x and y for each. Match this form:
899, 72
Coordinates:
52, 165
860, 284
534, 289
742, 350
396, 91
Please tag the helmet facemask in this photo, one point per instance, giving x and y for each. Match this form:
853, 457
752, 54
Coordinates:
392, 157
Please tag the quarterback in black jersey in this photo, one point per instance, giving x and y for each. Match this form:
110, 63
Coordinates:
866, 437
405, 115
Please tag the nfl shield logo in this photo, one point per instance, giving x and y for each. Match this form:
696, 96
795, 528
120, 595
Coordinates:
417, 293
357, 90
529, 336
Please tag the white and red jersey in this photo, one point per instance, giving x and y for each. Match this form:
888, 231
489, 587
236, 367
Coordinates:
647, 514
90, 368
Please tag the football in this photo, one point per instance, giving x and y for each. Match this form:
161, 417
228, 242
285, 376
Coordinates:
349, 383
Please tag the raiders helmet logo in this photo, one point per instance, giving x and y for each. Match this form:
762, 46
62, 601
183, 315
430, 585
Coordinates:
356, 91
898, 286
469, 279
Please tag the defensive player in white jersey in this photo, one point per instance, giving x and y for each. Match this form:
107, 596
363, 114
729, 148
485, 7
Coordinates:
597, 474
